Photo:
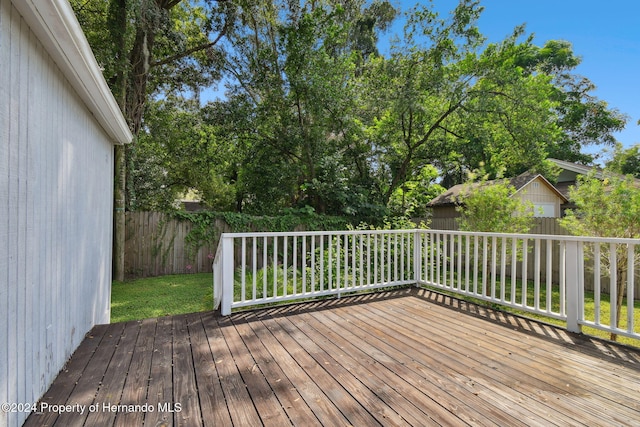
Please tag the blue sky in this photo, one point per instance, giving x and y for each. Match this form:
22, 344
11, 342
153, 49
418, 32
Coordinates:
606, 35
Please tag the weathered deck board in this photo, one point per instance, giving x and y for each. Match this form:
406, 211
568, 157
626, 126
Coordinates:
160, 376
540, 369
407, 357
209, 388
137, 379
85, 390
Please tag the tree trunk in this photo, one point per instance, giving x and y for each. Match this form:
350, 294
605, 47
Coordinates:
620, 289
117, 29
130, 92
119, 213
140, 64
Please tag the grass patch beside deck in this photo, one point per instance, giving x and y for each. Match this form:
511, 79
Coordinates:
161, 296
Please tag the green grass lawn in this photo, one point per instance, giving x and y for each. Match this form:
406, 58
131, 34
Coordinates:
161, 296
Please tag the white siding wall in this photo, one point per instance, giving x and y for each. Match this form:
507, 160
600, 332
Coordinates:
56, 168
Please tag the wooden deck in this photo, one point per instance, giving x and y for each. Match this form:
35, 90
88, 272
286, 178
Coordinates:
407, 357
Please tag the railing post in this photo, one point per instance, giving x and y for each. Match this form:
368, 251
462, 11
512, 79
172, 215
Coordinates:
227, 274
216, 288
573, 283
417, 256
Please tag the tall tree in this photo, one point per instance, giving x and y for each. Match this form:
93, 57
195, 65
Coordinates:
444, 97
293, 67
148, 38
315, 116
177, 153
625, 161
584, 119
440, 97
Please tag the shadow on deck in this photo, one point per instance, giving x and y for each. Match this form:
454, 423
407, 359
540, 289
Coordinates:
404, 357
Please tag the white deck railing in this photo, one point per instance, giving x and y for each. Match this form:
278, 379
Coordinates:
251, 269
542, 274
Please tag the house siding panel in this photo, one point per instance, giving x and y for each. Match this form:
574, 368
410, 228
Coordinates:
56, 168
539, 194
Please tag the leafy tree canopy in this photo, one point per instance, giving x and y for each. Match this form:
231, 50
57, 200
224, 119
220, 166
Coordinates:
315, 116
626, 161
608, 207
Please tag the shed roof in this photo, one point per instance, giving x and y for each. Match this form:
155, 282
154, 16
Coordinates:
450, 196
576, 167
56, 26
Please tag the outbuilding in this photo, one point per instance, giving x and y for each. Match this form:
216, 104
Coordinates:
530, 187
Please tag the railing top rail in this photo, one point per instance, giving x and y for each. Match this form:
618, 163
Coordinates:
590, 239
424, 230
316, 233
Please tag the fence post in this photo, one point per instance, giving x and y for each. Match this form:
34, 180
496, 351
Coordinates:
417, 256
227, 274
573, 283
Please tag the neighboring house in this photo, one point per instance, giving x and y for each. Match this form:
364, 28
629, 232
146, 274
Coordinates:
58, 126
531, 187
569, 176
569, 171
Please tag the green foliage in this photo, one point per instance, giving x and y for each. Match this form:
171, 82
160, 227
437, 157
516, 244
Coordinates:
313, 115
336, 262
205, 230
291, 102
583, 119
265, 284
488, 206
450, 104
410, 200
178, 151
626, 162
608, 207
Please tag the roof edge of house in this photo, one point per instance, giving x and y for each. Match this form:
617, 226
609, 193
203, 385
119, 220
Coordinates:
57, 28
576, 167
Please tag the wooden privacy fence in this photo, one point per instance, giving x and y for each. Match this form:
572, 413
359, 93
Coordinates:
156, 245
